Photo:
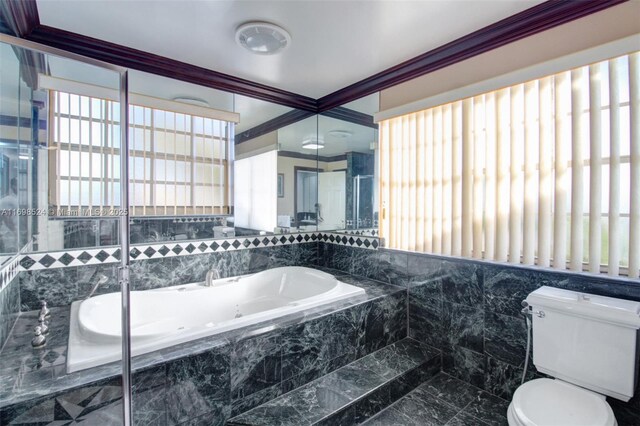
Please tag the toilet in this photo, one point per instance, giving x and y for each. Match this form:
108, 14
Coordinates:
588, 343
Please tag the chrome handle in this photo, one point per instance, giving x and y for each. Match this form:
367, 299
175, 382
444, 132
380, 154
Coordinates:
539, 314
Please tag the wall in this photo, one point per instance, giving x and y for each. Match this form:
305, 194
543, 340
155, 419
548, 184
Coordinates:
612, 24
471, 310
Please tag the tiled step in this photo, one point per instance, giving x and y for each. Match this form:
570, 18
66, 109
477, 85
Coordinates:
353, 393
444, 400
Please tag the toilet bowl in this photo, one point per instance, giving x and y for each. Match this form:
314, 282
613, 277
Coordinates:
548, 402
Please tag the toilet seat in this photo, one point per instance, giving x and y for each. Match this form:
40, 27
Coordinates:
547, 402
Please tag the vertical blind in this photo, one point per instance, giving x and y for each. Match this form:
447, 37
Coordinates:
179, 163
545, 172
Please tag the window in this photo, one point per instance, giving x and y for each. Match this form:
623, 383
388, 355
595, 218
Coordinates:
179, 163
546, 172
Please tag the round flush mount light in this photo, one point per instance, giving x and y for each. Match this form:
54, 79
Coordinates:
340, 134
262, 38
193, 101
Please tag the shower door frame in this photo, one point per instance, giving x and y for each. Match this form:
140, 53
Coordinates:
123, 270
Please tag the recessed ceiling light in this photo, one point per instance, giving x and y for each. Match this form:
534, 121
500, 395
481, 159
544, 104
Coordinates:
340, 134
262, 38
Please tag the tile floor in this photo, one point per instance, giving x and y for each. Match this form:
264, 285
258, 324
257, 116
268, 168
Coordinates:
444, 400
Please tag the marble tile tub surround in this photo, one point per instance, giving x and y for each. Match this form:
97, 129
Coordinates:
212, 378
9, 309
471, 310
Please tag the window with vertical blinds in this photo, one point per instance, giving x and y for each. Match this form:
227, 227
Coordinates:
546, 172
178, 163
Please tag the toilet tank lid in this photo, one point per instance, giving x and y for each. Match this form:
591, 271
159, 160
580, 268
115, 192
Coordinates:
608, 309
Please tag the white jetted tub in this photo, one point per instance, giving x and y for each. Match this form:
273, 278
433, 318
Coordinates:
164, 317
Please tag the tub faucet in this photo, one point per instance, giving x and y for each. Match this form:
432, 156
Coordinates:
213, 274
101, 280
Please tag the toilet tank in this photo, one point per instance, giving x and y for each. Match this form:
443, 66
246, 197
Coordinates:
588, 340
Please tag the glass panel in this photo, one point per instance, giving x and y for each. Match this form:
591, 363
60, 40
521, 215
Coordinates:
61, 273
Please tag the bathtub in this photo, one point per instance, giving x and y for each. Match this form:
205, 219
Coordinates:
165, 317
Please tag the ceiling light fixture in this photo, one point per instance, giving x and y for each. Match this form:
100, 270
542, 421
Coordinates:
313, 143
262, 38
340, 134
192, 101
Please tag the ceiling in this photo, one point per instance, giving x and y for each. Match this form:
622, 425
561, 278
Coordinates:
334, 43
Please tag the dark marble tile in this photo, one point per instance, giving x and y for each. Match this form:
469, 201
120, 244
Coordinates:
338, 257
189, 269
463, 419
240, 405
391, 417
399, 358
384, 322
307, 345
148, 396
505, 338
255, 364
372, 404
465, 365
462, 326
627, 413
351, 381
488, 408
317, 400
425, 408
462, 283
454, 391
502, 379
425, 315
9, 308
384, 265
198, 384
305, 254
319, 370
345, 417
155, 273
281, 411
423, 270
600, 285
88, 275
506, 287
59, 287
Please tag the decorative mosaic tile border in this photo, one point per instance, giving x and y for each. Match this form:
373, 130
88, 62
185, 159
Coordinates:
9, 272
98, 256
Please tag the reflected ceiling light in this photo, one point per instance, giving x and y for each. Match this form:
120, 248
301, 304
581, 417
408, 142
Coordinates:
313, 143
340, 134
262, 38
193, 101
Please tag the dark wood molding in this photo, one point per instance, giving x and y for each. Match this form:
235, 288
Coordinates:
272, 125
352, 116
312, 157
20, 17
524, 24
156, 64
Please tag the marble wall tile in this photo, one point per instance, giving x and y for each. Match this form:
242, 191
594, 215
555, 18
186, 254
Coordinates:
88, 276
9, 308
317, 370
425, 315
462, 326
384, 321
505, 337
59, 287
502, 379
506, 287
293, 255
240, 405
464, 364
148, 396
199, 384
382, 265
256, 364
336, 257
308, 345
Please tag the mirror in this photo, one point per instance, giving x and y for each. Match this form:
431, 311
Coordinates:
347, 179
